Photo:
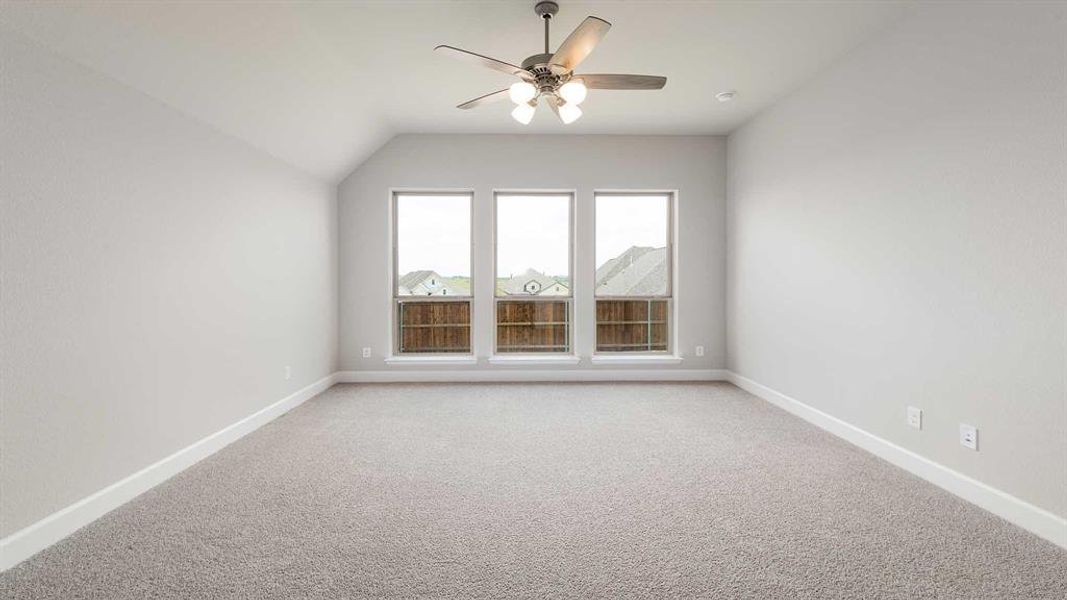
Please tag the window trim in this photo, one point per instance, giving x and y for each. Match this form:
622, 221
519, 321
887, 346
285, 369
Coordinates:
569, 298
394, 272
543, 358
670, 296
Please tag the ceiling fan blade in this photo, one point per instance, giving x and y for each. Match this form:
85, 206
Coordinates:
615, 81
480, 100
579, 44
485, 61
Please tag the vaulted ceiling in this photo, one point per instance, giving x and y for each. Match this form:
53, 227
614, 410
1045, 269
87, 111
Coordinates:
322, 85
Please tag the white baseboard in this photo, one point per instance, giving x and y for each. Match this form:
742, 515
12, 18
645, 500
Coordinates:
505, 375
26, 542
1032, 518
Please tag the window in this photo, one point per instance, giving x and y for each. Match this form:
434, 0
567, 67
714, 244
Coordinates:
633, 272
533, 272
432, 261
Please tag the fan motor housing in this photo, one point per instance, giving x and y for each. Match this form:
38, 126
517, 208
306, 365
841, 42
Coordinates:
545, 78
536, 60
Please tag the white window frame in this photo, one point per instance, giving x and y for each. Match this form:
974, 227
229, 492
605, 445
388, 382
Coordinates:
396, 299
672, 325
515, 356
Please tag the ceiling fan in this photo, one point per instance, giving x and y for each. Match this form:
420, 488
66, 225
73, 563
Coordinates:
552, 76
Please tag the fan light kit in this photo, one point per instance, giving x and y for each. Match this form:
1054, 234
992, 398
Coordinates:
551, 75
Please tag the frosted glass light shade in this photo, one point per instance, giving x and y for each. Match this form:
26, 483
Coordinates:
569, 113
574, 91
522, 92
523, 113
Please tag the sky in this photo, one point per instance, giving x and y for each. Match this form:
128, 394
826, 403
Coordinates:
433, 232
533, 232
624, 221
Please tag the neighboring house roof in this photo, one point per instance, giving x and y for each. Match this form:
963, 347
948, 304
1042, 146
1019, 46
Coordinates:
414, 278
430, 283
518, 285
639, 271
613, 266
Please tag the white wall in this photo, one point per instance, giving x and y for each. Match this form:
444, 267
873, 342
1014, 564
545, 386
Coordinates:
157, 277
695, 166
897, 236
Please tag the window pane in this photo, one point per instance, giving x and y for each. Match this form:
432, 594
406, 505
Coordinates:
433, 244
532, 326
631, 325
533, 250
435, 327
631, 245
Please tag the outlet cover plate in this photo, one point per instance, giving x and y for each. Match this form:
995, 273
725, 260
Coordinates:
969, 436
915, 417
366, 353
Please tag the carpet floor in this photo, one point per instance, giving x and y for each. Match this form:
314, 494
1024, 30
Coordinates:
543, 491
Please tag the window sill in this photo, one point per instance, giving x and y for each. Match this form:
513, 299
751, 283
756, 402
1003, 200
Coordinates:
431, 360
534, 360
638, 359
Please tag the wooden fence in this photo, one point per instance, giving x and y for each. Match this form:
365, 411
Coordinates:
435, 326
533, 326
631, 325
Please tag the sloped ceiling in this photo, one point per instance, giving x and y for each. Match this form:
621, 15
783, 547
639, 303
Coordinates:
322, 85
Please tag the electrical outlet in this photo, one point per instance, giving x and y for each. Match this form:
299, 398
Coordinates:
366, 353
915, 417
288, 372
969, 436
700, 350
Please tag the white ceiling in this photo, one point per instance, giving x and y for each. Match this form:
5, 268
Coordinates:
322, 85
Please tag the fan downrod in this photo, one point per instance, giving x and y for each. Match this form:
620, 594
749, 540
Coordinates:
547, 81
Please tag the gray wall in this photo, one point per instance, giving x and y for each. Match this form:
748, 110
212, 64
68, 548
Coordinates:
695, 166
897, 236
157, 277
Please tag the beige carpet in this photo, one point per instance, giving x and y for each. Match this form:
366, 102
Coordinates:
543, 491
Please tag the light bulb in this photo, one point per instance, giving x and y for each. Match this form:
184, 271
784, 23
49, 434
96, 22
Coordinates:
522, 92
569, 113
523, 113
573, 91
